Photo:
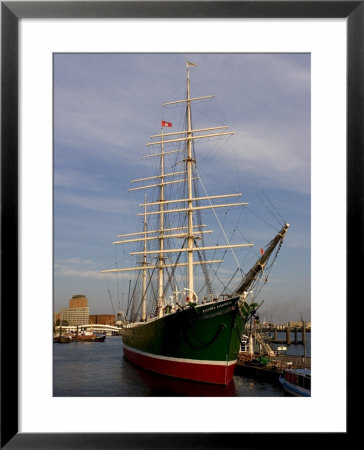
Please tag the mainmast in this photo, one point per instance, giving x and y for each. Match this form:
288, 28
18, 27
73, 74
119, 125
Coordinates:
189, 161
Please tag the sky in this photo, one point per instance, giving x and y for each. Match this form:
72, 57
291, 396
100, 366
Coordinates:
106, 107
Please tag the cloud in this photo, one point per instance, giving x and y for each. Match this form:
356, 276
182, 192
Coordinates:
281, 158
89, 120
92, 274
264, 95
74, 267
74, 179
78, 261
99, 204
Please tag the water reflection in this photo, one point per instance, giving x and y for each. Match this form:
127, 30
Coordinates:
100, 370
163, 386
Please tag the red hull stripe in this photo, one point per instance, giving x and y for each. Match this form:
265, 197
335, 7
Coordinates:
217, 372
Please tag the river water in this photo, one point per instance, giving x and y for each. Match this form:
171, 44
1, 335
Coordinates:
98, 369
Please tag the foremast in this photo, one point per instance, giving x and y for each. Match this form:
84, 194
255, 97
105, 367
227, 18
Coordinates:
144, 283
161, 236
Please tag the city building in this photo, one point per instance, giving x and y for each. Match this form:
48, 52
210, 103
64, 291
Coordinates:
102, 319
75, 316
56, 317
78, 301
78, 312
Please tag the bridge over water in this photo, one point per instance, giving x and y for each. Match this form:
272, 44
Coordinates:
98, 328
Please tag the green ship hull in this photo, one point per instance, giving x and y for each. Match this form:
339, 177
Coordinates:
199, 343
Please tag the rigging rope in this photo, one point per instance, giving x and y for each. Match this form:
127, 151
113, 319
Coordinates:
276, 210
227, 240
264, 272
171, 275
111, 301
231, 279
263, 220
204, 270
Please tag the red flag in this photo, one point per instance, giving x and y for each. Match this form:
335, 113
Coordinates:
166, 124
261, 251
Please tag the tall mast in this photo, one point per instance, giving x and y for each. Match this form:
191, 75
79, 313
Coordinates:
190, 193
144, 281
161, 235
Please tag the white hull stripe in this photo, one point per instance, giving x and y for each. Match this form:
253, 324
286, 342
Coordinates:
182, 360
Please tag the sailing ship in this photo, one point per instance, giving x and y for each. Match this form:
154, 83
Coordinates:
183, 336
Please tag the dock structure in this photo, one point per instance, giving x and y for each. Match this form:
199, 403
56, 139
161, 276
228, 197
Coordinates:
270, 370
270, 331
257, 359
268, 326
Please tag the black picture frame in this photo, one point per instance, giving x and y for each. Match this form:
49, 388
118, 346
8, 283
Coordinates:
11, 13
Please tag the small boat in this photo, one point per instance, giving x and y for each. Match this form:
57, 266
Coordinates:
65, 339
100, 338
296, 382
84, 336
89, 336
62, 339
